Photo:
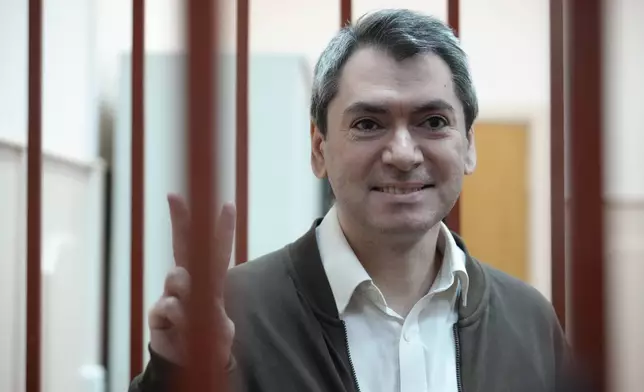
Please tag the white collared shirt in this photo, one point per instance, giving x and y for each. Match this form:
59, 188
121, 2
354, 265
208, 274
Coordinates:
391, 353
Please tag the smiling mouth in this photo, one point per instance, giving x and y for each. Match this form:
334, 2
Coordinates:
394, 190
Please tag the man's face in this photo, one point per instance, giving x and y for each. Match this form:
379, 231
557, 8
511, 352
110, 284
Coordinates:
396, 147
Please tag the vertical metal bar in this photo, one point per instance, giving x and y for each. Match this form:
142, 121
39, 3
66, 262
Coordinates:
34, 196
204, 373
453, 19
345, 12
586, 215
454, 15
241, 191
557, 176
137, 189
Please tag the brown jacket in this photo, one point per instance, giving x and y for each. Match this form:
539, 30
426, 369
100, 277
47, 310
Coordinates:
289, 336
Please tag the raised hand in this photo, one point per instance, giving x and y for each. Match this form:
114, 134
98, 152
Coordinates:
168, 317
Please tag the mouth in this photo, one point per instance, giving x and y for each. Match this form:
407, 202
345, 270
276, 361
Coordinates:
402, 189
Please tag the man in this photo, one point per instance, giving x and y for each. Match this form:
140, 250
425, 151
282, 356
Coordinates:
379, 295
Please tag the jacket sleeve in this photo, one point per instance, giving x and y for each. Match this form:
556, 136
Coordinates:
570, 376
160, 375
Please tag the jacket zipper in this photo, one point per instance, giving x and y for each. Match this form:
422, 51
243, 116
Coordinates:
353, 369
457, 343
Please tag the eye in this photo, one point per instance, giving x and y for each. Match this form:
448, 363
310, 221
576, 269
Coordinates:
435, 122
366, 125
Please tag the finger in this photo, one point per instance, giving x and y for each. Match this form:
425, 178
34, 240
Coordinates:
167, 313
177, 284
180, 220
224, 237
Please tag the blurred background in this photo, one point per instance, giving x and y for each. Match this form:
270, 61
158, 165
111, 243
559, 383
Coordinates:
505, 216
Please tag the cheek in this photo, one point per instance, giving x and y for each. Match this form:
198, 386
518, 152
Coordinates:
447, 161
343, 180
339, 165
350, 162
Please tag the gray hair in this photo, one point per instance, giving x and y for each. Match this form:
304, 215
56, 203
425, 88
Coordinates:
402, 34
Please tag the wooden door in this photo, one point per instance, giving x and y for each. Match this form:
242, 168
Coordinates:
494, 204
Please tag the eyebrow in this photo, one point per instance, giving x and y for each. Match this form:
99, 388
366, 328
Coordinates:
381, 107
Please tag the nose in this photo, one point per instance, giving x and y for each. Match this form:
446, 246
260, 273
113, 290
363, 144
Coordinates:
402, 151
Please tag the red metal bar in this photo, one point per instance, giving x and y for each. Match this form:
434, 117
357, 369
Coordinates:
204, 373
557, 176
137, 184
34, 195
454, 15
345, 12
586, 214
453, 19
241, 191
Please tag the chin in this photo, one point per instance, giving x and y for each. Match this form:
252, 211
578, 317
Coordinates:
403, 224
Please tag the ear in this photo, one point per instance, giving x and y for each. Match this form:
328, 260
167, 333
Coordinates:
470, 153
318, 141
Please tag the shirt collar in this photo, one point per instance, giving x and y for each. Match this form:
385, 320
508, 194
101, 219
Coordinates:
345, 273
453, 267
343, 269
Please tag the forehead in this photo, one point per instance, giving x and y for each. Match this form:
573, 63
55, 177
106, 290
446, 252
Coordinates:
373, 75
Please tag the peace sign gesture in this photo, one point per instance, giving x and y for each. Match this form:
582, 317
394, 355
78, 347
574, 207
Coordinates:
168, 317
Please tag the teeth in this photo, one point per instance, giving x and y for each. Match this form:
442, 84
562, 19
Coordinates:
399, 191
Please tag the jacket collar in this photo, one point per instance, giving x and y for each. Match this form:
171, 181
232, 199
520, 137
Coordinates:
311, 280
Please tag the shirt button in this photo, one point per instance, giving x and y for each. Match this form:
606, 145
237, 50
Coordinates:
407, 337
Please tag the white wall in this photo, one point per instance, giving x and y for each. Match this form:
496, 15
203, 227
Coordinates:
13, 249
624, 188
624, 88
72, 196
71, 286
69, 107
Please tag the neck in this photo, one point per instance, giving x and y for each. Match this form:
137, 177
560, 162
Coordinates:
403, 270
